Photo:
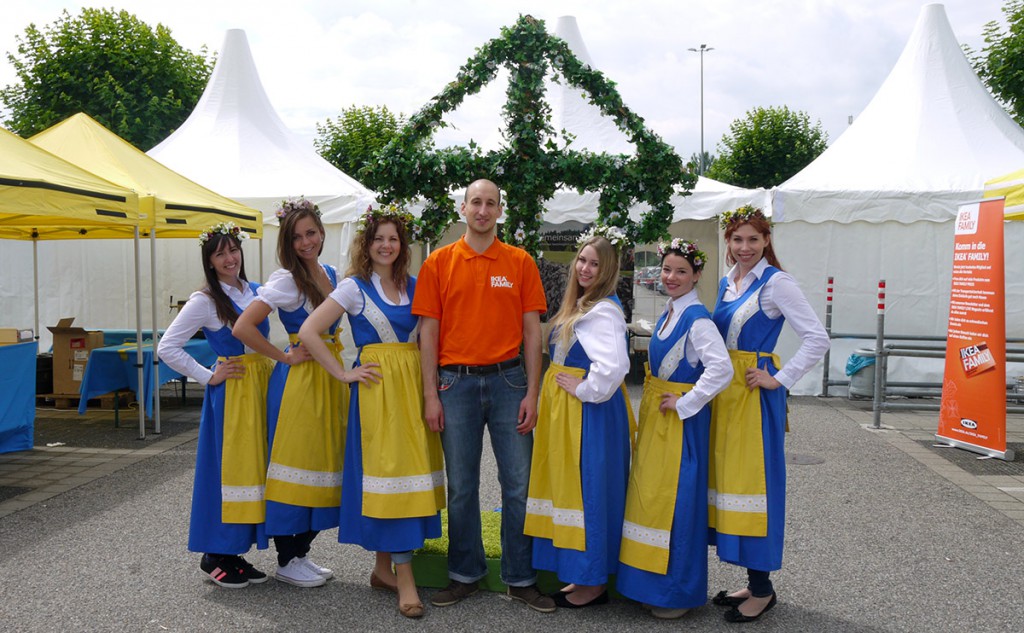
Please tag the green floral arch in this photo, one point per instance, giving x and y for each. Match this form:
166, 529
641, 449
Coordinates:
531, 165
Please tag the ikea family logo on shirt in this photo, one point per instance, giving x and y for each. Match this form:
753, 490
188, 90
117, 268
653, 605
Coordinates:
499, 281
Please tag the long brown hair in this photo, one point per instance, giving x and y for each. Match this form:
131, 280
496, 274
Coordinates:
226, 310
362, 266
762, 226
576, 301
289, 259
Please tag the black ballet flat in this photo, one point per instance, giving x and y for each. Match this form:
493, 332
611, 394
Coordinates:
561, 600
734, 615
723, 599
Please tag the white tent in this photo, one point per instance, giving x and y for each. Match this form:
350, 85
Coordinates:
235, 143
879, 203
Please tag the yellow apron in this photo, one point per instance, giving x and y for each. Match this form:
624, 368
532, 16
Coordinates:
653, 480
403, 465
554, 507
737, 499
243, 466
309, 443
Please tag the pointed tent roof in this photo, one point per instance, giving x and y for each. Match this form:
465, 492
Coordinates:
235, 143
572, 111
45, 197
178, 206
932, 127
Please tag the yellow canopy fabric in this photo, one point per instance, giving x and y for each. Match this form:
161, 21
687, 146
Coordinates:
45, 197
177, 206
1011, 187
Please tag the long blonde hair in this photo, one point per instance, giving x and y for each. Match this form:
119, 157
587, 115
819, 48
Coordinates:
576, 301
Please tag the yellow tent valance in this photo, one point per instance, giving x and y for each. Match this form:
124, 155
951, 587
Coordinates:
1011, 187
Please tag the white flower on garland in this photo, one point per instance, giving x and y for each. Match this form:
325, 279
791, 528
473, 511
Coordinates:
614, 234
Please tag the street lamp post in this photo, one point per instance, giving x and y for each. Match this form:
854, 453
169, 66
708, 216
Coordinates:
703, 48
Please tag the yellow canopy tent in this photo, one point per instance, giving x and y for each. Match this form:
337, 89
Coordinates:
45, 197
178, 206
1011, 187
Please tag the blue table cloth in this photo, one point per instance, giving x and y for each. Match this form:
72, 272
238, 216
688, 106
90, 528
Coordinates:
17, 396
117, 337
113, 369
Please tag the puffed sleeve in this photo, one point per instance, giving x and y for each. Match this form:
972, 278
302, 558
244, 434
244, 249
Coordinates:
602, 333
195, 314
348, 296
785, 295
711, 351
280, 291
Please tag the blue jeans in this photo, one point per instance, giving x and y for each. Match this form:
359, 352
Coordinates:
470, 403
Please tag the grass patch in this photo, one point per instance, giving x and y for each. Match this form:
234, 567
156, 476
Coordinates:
490, 523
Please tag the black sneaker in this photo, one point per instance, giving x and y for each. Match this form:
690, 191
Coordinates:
253, 575
223, 572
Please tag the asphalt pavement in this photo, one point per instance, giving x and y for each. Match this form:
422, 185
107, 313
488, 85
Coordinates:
884, 533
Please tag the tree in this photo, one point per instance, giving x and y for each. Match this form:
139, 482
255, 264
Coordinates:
694, 164
1001, 62
767, 147
352, 140
137, 81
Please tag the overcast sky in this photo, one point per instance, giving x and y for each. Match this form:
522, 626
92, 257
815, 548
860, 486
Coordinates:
315, 57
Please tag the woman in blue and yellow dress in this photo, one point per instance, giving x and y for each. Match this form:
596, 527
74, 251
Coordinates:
393, 488
665, 537
747, 479
227, 494
305, 406
582, 441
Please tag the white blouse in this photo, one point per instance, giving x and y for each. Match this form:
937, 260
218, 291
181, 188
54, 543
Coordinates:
198, 312
281, 293
350, 297
602, 333
781, 296
704, 345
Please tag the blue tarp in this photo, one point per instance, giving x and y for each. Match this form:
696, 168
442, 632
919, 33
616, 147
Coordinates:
17, 396
856, 362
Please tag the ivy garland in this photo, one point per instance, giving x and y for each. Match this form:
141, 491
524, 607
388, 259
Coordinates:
531, 165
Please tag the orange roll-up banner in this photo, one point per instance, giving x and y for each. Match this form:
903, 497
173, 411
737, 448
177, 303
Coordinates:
973, 412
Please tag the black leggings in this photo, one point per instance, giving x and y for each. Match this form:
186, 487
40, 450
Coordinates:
759, 583
293, 546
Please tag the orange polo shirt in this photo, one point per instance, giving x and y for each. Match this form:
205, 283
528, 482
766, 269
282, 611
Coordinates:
479, 300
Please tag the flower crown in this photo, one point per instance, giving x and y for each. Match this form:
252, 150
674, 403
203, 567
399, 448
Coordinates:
687, 248
224, 228
614, 234
291, 205
741, 215
388, 212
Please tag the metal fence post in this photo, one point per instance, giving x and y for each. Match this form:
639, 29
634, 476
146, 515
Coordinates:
828, 330
879, 356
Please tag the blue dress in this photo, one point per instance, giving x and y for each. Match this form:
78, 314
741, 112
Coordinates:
758, 333
685, 583
207, 533
604, 470
374, 534
283, 518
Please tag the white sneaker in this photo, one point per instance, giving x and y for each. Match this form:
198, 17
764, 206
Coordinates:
323, 572
297, 573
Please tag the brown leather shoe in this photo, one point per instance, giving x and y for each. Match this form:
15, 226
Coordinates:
455, 592
377, 583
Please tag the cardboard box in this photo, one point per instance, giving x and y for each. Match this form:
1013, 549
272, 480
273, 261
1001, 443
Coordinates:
13, 335
71, 347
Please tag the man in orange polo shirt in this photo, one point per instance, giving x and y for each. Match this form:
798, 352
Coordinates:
479, 300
